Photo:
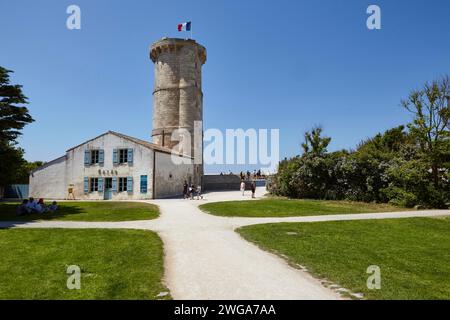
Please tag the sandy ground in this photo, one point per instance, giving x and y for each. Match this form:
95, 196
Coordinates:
206, 259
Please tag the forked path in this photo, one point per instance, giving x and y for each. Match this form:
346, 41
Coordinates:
206, 259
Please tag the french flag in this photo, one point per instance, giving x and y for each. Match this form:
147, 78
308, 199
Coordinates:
186, 26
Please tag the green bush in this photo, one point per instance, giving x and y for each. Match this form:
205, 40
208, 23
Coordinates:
387, 168
399, 197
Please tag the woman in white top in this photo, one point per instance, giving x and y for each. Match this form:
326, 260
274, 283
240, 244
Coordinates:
243, 187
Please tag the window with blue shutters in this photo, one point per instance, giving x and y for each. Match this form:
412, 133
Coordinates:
114, 184
121, 156
87, 157
86, 185
93, 184
129, 184
101, 157
100, 184
143, 184
94, 156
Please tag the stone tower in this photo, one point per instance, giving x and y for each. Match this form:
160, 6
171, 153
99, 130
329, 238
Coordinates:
177, 94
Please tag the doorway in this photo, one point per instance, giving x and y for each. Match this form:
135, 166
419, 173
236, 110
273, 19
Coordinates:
107, 194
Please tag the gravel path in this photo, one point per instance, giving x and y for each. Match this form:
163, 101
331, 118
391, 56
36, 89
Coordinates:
206, 259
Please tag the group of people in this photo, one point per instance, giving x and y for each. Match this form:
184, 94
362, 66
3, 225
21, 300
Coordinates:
29, 206
252, 188
247, 175
190, 191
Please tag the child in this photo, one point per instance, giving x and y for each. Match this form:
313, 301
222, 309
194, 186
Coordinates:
53, 207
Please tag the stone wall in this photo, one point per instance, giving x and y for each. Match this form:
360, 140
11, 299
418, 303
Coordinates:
221, 182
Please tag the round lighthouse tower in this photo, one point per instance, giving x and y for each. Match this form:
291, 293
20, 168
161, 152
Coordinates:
177, 94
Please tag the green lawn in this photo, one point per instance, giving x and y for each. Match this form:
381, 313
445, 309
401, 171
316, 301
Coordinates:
86, 211
413, 253
291, 208
115, 264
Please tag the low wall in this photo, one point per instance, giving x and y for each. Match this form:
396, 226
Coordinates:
221, 182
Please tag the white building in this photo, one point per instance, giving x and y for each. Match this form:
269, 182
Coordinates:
112, 166
120, 167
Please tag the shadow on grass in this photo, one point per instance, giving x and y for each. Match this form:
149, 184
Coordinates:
8, 213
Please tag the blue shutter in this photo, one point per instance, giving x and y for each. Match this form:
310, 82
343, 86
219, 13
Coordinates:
143, 184
114, 184
87, 157
130, 184
115, 157
86, 185
100, 184
130, 157
101, 157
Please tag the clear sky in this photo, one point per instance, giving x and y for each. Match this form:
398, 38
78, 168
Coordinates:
271, 64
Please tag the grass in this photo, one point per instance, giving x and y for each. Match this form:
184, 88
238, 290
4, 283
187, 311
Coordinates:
412, 253
115, 264
292, 208
86, 211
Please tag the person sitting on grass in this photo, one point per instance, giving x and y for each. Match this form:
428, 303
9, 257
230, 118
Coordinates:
40, 206
23, 208
53, 207
31, 205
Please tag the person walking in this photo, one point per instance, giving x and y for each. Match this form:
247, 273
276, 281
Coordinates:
243, 187
199, 192
191, 191
185, 190
253, 189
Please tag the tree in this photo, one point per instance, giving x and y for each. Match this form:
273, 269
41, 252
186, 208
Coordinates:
11, 160
314, 143
23, 173
13, 113
430, 107
13, 118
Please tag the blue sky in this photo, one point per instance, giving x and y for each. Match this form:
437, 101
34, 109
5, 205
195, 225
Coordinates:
271, 64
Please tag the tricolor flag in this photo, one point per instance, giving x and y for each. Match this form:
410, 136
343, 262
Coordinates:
186, 26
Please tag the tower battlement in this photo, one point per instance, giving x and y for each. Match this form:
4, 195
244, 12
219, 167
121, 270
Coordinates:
173, 45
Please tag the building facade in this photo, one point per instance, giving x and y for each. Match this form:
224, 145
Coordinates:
119, 167
112, 166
